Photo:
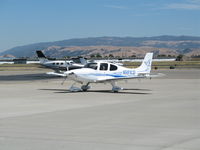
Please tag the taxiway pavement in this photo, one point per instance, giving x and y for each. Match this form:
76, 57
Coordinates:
158, 114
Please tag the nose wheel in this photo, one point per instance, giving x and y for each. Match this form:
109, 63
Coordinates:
74, 89
115, 88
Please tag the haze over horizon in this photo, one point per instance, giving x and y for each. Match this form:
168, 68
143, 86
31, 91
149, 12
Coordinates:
31, 21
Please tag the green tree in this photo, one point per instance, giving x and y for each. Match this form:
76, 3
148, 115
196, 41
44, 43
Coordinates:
179, 57
133, 56
98, 55
110, 55
92, 56
66, 57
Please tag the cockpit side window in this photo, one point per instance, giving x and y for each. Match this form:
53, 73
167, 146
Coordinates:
91, 65
103, 66
113, 67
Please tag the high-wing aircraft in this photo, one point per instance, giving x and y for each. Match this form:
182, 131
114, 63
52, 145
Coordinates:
60, 65
104, 72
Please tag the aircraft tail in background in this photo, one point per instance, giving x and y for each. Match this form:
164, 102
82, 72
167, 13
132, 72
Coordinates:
80, 60
41, 57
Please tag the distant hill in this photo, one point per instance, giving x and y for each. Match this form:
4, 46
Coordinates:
118, 46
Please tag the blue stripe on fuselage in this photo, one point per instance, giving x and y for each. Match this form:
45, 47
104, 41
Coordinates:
110, 75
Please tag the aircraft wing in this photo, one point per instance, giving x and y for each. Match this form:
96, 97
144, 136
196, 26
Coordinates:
56, 74
156, 75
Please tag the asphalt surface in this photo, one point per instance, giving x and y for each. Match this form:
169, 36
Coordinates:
37, 112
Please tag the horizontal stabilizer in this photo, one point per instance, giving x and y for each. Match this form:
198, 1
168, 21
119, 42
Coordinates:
56, 74
156, 75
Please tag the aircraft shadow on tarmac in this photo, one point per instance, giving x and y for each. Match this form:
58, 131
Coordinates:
26, 77
124, 91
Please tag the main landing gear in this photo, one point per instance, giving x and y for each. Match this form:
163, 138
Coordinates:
83, 88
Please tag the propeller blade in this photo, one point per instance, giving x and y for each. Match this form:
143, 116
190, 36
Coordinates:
64, 80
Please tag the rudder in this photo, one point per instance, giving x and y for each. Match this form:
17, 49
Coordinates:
41, 57
145, 67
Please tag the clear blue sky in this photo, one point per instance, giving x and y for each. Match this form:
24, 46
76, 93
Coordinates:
30, 21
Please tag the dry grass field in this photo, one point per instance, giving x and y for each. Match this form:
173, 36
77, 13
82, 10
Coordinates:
155, 65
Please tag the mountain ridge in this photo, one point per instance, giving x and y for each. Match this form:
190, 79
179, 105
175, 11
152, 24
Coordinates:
189, 45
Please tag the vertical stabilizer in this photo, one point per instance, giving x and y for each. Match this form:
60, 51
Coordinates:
41, 57
145, 67
80, 60
83, 61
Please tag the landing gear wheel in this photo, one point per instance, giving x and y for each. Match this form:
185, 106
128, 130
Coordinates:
85, 88
115, 88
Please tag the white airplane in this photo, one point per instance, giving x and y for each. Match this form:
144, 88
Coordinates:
104, 72
60, 65
116, 62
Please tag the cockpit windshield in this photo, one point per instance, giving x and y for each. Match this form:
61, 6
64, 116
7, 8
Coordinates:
91, 65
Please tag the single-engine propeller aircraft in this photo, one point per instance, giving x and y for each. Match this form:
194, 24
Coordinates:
60, 65
104, 72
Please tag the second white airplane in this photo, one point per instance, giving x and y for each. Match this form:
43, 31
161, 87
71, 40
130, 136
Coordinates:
61, 65
104, 72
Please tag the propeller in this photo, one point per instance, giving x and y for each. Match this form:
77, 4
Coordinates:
66, 64
64, 80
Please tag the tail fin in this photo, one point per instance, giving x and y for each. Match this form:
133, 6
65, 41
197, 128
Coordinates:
83, 61
41, 57
40, 54
145, 67
80, 60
